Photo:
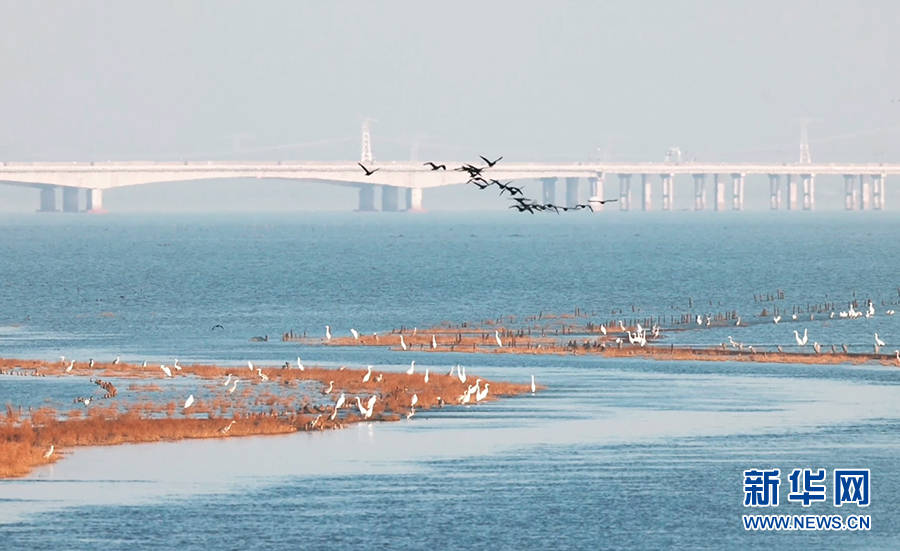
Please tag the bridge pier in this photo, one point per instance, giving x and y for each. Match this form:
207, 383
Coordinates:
95, 201
865, 193
774, 191
48, 199
849, 192
624, 191
414, 199
70, 199
571, 192
737, 192
791, 186
668, 190
596, 192
549, 190
808, 185
366, 198
700, 191
646, 193
878, 191
718, 193
390, 198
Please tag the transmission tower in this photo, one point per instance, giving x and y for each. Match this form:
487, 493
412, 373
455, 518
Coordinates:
366, 155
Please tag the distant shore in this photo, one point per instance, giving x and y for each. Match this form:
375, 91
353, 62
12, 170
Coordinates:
27, 434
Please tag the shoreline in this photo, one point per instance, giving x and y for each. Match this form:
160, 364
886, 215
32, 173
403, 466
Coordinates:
27, 434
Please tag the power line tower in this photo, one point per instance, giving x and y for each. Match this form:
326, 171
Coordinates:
366, 155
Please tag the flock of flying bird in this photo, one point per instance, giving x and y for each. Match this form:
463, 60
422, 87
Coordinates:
519, 201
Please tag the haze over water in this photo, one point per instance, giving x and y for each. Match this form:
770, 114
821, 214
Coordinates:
615, 453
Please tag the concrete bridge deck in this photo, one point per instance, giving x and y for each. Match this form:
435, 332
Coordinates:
799, 179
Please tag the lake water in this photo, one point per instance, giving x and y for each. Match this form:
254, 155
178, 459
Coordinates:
615, 453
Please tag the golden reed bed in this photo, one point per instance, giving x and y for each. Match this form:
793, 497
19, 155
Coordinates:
26, 437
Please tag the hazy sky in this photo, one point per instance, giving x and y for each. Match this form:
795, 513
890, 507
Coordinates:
89, 80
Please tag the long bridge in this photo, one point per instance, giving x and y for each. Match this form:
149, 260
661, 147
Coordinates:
791, 186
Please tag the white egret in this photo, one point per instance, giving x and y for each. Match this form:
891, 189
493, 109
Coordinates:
602, 328
189, 402
776, 319
327, 332
738, 322
233, 386
699, 320
49, 452
144, 364
800, 341
817, 348
355, 333
175, 365
166, 370
62, 360
412, 411
412, 368
337, 405
414, 400
878, 342
71, 365
299, 364
368, 374
461, 373
91, 363
250, 365
362, 410
226, 428
482, 394
116, 361
794, 317
262, 376
450, 373
402, 343
369, 405
497, 339
897, 355
426, 375
227, 380
532, 384
433, 343
330, 388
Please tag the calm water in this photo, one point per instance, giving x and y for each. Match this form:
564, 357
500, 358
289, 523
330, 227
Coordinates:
614, 454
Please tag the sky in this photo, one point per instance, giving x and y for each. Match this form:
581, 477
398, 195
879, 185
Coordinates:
555, 81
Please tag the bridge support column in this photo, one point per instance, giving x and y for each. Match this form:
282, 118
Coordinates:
808, 187
366, 198
849, 192
774, 191
48, 199
646, 193
390, 198
549, 190
737, 192
668, 190
865, 193
624, 191
70, 199
718, 193
95, 201
791, 192
414, 199
878, 191
571, 192
700, 191
596, 192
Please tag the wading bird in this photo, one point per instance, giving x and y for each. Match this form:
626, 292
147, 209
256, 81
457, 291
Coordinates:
337, 405
233, 386
497, 339
227, 380
226, 428
166, 370
355, 334
189, 402
71, 365
330, 388
402, 343
368, 374
532, 384
49, 452
800, 341
412, 368
482, 394
426, 375
878, 342
299, 364
327, 332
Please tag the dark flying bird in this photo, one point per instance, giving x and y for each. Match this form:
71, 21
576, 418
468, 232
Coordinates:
367, 171
216, 326
480, 182
489, 162
434, 166
472, 170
